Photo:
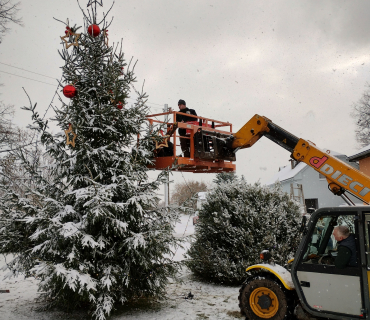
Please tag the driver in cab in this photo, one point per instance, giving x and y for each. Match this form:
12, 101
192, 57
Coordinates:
346, 247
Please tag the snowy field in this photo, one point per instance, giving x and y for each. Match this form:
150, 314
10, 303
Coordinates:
210, 301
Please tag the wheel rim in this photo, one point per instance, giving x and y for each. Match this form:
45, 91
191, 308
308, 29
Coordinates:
264, 302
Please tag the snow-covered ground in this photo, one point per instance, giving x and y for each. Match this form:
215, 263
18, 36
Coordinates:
210, 301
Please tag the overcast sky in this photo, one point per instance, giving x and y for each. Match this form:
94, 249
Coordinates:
301, 63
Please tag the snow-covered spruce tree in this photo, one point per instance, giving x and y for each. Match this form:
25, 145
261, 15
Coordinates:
237, 221
91, 232
225, 177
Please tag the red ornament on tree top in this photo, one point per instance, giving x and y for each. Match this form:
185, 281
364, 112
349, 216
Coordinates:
120, 105
93, 30
69, 91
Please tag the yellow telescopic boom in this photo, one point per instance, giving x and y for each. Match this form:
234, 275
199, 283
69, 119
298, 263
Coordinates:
341, 177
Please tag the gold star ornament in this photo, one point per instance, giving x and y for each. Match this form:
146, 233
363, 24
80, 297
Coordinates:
67, 132
163, 143
71, 34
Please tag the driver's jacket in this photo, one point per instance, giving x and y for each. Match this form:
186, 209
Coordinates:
346, 253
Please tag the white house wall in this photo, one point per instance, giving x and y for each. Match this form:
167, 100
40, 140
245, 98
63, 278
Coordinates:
314, 188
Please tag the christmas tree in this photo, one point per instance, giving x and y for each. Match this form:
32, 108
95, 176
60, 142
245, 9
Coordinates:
237, 221
91, 231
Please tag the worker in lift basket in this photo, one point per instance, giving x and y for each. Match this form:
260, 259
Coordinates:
185, 143
346, 247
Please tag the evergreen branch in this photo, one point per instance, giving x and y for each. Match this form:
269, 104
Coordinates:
92, 178
106, 14
60, 21
90, 19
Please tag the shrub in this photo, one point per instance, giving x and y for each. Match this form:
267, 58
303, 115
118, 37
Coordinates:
239, 220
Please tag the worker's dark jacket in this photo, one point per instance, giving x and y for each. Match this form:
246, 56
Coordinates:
184, 118
346, 253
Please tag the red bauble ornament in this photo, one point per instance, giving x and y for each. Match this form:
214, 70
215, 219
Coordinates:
120, 105
69, 91
93, 30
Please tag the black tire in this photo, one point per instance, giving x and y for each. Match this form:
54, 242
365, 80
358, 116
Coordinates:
265, 290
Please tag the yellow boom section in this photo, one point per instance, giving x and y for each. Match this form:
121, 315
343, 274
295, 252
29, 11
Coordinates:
251, 132
340, 175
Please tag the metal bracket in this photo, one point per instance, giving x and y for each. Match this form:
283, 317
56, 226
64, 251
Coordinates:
211, 145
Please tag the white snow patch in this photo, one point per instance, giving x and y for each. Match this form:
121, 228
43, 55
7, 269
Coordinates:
211, 301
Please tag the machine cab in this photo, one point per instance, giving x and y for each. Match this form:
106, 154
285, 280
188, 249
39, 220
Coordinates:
207, 139
326, 289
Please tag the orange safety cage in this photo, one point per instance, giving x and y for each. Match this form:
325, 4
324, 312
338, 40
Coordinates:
207, 138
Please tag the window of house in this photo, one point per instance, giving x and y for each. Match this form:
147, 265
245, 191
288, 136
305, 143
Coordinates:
311, 204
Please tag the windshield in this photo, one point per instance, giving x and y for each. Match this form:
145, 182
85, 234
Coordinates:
322, 240
321, 229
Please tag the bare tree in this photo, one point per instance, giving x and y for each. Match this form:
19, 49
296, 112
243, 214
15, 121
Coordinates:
13, 140
361, 113
20, 155
24, 164
6, 129
8, 13
185, 193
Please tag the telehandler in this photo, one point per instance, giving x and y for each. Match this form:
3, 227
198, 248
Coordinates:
314, 287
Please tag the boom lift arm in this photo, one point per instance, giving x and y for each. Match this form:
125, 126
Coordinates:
341, 177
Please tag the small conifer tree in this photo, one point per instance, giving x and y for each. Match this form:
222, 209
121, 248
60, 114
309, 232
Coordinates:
91, 231
225, 177
237, 221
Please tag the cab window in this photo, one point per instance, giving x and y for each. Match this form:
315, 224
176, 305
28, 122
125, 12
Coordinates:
322, 240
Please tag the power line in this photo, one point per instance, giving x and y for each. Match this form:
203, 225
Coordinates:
27, 78
26, 70
153, 103
155, 107
58, 85
156, 104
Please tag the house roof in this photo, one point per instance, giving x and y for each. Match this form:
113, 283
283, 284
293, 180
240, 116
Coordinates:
361, 154
287, 172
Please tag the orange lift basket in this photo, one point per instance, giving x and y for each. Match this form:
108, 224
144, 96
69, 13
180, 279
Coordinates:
210, 142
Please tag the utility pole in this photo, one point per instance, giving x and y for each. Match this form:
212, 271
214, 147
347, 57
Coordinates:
167, 183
